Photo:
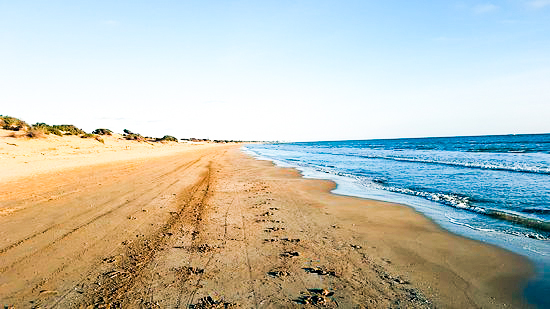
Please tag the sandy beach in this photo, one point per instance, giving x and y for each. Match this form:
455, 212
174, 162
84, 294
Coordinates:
125, 224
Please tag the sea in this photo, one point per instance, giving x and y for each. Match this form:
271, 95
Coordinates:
494, 189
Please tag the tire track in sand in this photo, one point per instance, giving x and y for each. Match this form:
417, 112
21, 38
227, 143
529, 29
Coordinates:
50, 228
111, 291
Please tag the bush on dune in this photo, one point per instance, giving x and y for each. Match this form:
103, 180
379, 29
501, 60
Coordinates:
69, 129
60, 130
47, 129
13, 124
41, 129
167, 138
134, 137
102, 132
131, 136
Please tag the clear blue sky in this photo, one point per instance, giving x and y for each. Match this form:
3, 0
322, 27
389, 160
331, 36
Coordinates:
279, 70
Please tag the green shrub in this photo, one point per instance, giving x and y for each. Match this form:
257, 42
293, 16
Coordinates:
39, 129
102, 132
12, 123
69, 129
47, 128
134, 137
131, 136
167, 138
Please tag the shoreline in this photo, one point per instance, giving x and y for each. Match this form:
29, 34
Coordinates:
530, 276
171, 230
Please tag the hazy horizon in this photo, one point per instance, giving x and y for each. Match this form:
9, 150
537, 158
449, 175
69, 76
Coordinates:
279, 70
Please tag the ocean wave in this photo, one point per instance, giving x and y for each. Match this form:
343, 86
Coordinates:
509, 165
476, 165
538, 211
464, 203
523, 221
515, 233
458, 222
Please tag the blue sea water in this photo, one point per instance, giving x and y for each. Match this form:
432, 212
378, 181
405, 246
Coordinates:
491, 188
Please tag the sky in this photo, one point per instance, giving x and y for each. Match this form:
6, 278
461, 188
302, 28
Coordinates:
279, 70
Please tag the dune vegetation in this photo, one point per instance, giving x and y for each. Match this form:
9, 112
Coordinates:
41, 130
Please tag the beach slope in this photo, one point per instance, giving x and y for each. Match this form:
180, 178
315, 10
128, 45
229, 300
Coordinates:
206, 224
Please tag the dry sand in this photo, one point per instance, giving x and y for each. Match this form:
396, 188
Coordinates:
20, 157
168, 228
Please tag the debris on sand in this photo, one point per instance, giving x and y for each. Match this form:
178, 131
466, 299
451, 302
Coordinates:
389, 278
290, 239
272, 221
315, 297
203, 248
115, 273
323, 292
112, 259
320, 271
290, 254
208, 302
188, 270
279, 273
274, 229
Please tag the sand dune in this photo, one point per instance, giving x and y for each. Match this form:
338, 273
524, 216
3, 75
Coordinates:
20, 157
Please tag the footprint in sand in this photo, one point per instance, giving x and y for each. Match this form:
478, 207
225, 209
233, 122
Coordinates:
273, 229
315, 297
291, 239
279, 273
209, 302
290, 254
322, 271
188, 270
